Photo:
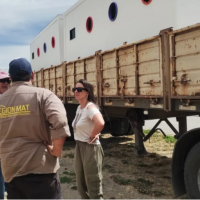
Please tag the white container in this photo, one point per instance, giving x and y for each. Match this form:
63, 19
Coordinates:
134, 21
54, 52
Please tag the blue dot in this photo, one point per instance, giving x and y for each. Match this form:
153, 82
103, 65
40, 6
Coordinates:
113, 10
45, 47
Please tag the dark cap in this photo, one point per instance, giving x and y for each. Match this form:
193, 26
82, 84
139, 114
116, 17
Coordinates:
17, 65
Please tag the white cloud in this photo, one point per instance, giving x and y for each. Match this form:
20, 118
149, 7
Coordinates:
21, 21
9, 53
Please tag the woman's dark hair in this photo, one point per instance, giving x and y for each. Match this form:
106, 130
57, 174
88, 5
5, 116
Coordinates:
89, 88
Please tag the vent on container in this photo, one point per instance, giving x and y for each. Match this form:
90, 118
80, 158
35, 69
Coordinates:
53, 42
146, 2
112, 12
38, 52
45, 48
89, 24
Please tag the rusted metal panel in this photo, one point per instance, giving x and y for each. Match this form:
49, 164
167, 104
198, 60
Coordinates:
165, 49
59, 87
58, 81
52, 73
150, 68
46, 79
109, 74
69, 79
188, 43
52, 85
38, 82
91, 72
185, 53
53, 80
63, 81
80, 69
46, 84
127, 71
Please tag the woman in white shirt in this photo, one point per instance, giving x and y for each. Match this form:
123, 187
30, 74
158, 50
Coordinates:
87, 125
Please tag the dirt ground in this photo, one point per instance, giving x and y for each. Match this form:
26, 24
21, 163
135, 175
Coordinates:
126, 176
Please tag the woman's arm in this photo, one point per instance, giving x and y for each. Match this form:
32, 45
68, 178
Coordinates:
98, 125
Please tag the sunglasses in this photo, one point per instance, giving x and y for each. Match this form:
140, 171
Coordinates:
5, 80
79, 89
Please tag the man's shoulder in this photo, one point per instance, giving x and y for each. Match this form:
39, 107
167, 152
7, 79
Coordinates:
42, 91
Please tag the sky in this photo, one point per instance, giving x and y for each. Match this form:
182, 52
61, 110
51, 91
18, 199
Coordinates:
21, 21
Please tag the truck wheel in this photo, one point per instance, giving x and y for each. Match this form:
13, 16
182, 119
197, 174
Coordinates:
192, 172
120, 127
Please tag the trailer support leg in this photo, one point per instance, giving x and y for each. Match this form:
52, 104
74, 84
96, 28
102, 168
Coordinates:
182, 122
139, 144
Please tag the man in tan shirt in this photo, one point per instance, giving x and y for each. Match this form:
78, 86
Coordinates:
33, 128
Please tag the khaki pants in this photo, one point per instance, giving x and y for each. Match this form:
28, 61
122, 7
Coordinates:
88, 167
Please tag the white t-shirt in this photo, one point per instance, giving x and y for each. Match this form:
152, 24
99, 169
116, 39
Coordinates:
83, 124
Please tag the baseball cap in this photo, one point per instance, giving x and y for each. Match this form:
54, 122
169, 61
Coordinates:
3, 75
17, 65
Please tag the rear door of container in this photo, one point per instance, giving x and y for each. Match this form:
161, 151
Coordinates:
185, 63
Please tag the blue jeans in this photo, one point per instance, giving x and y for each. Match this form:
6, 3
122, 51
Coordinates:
2, 185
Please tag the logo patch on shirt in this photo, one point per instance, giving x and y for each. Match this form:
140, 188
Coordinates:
6, 112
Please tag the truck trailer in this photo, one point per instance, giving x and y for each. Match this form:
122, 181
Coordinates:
154, 78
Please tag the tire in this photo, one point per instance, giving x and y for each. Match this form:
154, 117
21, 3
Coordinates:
120, 127
192, 172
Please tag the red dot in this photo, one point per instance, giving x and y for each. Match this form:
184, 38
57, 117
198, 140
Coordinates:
53, 43
38, 52
89, 24
146, 2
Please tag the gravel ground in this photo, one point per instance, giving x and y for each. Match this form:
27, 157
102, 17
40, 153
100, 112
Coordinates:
126, 176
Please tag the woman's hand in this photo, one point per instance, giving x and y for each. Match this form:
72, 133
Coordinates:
93, 139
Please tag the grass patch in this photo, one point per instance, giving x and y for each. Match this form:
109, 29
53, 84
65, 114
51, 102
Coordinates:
154, 193
143, 186
108, 154
163, 157
170, 139
131, 144
107, 166
112, 171
142, 165
74, 187
70, 155
139, 183
146, 131
124, 154
143, 191
144, 182
69, 173
66, 179
157, 193
157, 164
125, 162
148, 172
152, 155
156, 159
121, 181
166, 177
